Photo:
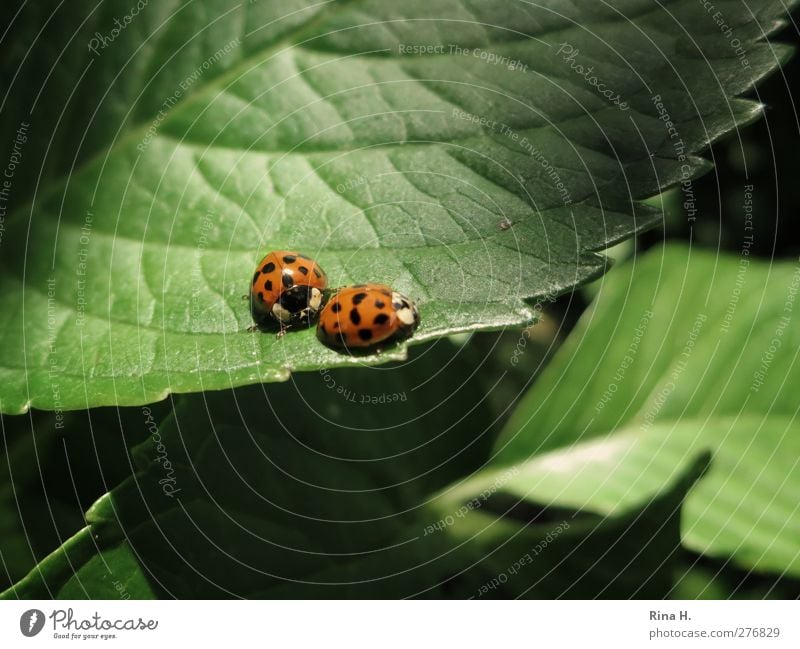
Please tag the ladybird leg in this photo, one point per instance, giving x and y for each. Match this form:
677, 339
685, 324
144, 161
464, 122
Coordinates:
282, 332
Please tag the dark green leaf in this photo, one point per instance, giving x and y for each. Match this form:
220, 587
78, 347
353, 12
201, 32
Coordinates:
311, 484
53, 466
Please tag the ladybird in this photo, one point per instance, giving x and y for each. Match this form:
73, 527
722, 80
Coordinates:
365, 315
287, 288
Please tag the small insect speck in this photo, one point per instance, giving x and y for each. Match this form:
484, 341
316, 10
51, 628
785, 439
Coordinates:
505, 224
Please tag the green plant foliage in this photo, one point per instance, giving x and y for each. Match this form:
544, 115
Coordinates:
300, 482
53, 466
700, 577
387, 139
534, 550
47, 578
305, 490
683, 351
85, 568
323, 486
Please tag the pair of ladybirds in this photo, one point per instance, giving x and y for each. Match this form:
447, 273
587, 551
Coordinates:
291, 289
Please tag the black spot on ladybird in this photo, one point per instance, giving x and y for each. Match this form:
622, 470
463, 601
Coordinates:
336, 325
260, 296
289, 259
286, 279
336, 307
255, 277
381, 318
268, 285
355, 317
380, 304
358, 298
317, 273
268, 268
303, 270
365, 334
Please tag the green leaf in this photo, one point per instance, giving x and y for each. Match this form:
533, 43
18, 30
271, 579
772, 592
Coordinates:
46, 579
114, 574
79, 101
52, 467
530, 549
84, 567
697, 582
308, 487
703, 578
682, 351
122, 283
271, 495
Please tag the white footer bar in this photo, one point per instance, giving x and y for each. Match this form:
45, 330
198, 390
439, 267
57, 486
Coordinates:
390, 624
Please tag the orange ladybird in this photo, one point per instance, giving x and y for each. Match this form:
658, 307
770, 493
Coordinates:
287, 288
365, 315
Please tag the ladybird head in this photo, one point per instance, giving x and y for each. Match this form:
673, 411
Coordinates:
406, 311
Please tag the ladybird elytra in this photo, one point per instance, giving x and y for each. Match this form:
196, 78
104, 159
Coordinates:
366, 315
287, 288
